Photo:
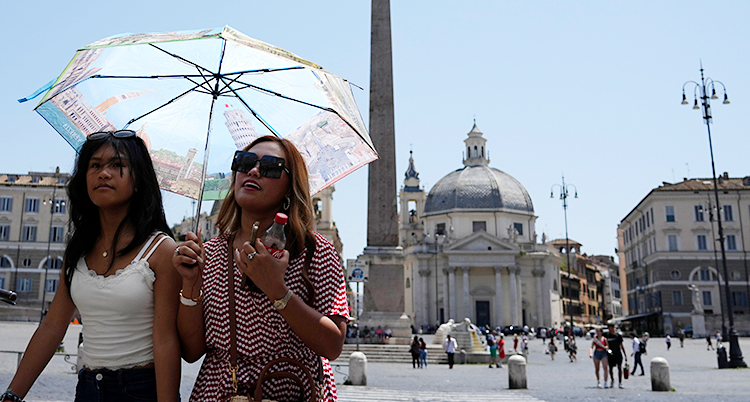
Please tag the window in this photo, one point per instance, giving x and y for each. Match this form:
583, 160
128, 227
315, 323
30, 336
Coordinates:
4, 232
706, 298
4, 262
440, 229
735, 275
739, 299
519, 228
6, 204
675, 274
60, 206
728, 215
56, 263
2, 282
672, 242
56, 234
731, 242
479, 226
698, 213
677, 297
29, 233
51, 286
32, 205
705, 274
26, 262
24, 284
670, 213
652, 216
702, 242
648, 224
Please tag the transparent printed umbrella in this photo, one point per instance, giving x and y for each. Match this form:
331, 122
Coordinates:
190, 91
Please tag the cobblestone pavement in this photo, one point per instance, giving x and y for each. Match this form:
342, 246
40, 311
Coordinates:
693, 371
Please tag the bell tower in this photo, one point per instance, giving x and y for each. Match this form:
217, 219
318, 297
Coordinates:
412, 199
476, 154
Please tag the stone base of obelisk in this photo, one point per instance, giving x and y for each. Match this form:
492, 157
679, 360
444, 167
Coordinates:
699, 325
384, 291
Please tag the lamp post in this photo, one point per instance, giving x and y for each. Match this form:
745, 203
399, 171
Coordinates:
53, 203
735, 354
564, 197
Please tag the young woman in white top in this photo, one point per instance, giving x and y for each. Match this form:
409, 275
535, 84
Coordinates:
118, 273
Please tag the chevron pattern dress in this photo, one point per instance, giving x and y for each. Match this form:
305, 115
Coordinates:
262, 333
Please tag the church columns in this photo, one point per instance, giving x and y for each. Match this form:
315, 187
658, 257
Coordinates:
467, 307
498, 296
452, 287
446, 293
513, 296
541, 298
424, 275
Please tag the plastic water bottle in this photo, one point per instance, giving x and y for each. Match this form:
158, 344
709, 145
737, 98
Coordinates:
275, 239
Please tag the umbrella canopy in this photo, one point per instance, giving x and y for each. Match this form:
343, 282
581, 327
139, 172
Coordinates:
190, 91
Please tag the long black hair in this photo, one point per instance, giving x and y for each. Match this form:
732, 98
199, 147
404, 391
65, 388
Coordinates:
145, 212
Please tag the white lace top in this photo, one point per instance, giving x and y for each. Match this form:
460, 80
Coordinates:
117, 312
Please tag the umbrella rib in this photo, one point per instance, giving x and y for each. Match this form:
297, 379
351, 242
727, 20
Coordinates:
264, 70
165, 104
269, 92
149, 76
182, 59
256, 115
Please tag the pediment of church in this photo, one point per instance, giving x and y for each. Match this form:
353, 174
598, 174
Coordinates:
482, 242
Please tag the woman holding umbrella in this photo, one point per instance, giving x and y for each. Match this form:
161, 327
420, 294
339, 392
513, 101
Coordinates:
118, 274
289, 307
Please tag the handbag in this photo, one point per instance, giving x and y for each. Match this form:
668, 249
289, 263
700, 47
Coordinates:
257, 391
626, 368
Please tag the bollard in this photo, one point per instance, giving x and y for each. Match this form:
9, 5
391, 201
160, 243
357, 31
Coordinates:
660, 375
517, 372
358, 368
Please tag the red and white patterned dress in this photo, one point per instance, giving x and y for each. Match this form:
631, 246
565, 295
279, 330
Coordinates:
262, 333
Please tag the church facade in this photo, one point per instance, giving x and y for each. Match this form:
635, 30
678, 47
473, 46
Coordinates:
471, 250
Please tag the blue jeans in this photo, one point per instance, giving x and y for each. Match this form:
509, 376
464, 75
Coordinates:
423, 357
116, 386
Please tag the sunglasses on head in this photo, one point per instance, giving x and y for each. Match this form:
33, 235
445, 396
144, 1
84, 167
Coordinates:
270, 166
117, 134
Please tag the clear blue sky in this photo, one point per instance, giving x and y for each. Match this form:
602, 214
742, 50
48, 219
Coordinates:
588, 88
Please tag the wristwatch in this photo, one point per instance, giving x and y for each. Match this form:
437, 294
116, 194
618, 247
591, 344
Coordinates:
281, 303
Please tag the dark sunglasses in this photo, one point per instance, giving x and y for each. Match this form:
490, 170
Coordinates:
117, 134
270, 166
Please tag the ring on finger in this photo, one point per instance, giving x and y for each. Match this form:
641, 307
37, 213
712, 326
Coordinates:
177, 250
252, 255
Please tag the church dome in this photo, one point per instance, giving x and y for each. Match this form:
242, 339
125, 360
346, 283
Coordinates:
477, 186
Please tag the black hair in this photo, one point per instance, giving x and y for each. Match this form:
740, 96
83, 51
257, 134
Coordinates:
145, 213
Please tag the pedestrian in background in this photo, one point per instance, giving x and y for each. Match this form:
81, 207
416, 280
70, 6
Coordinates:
552, 348
718, 339
422, 352
572, 350
415, 352
598, 351
708, 343
501, 350
450, 348
616, 354
638, 349
492, 343
515, 343
681, 335
668, 340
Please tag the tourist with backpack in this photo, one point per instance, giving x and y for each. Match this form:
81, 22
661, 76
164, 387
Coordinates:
492, 343
639, 348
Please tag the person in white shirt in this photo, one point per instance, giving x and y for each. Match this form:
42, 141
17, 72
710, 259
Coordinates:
450, 349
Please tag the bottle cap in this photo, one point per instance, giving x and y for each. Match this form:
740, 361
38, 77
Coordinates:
281, 218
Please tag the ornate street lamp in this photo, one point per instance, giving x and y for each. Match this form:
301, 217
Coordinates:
564, 197
735, 354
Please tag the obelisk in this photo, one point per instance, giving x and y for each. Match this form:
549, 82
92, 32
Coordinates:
384, 290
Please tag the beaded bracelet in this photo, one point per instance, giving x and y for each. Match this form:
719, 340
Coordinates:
10, 395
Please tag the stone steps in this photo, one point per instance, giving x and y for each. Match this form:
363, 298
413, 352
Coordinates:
379, 353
